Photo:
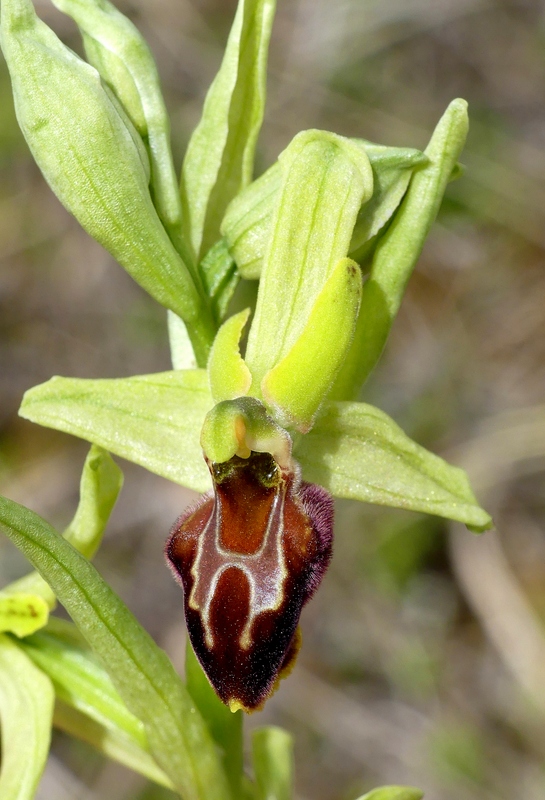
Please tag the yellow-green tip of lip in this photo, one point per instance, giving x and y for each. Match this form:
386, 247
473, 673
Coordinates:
235, 705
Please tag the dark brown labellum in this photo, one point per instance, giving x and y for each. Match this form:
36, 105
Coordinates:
249, 556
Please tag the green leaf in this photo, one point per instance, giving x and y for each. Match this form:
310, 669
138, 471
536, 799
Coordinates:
22, 614
82, 683
101, 482
357, 451
26, 711
224, 725
115, 47
220, 156
93, 159
248, 219
111, 742
88, 706
326, 178
398, 250
296, 387
153, 420
140, 671
272, 750
394, 793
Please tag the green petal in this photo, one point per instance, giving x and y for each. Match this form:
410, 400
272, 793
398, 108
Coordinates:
101, 482
398, 250
220, 156
272, 751
227, 371
140, 671
88, 706
88, 151
22, 614
153, 420
26, 712
297, 385
357, 451
326, 178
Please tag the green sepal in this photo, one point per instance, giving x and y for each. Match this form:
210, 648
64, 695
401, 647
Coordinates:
100, 484
87, 150
26, 713
220, 155
392, 171
22, 614
152, 420
140, 671
115, 47
325, 180
247, 222
225, 726
227, 371
394, 793
296, 387
272, 756
87, 704
399, 248
236, 427
356, 451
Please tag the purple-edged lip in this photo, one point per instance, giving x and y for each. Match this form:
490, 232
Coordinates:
249, 556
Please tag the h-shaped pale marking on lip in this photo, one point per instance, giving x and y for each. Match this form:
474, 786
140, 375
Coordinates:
266, 585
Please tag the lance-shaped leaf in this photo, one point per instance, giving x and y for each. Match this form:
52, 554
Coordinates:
115, 47
153, 420
220, 156
398, 250
140, 671
101, 482
224, 724
22, 613
88, 151
228, 374
247, 222
326, 178
272, 751
110, 741
26, 711
357, 451
394, 793
296, 386
88, 706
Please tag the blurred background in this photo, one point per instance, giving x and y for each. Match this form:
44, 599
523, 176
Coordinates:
424, 651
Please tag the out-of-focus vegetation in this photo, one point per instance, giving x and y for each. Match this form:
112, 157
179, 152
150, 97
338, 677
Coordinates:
424, 657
